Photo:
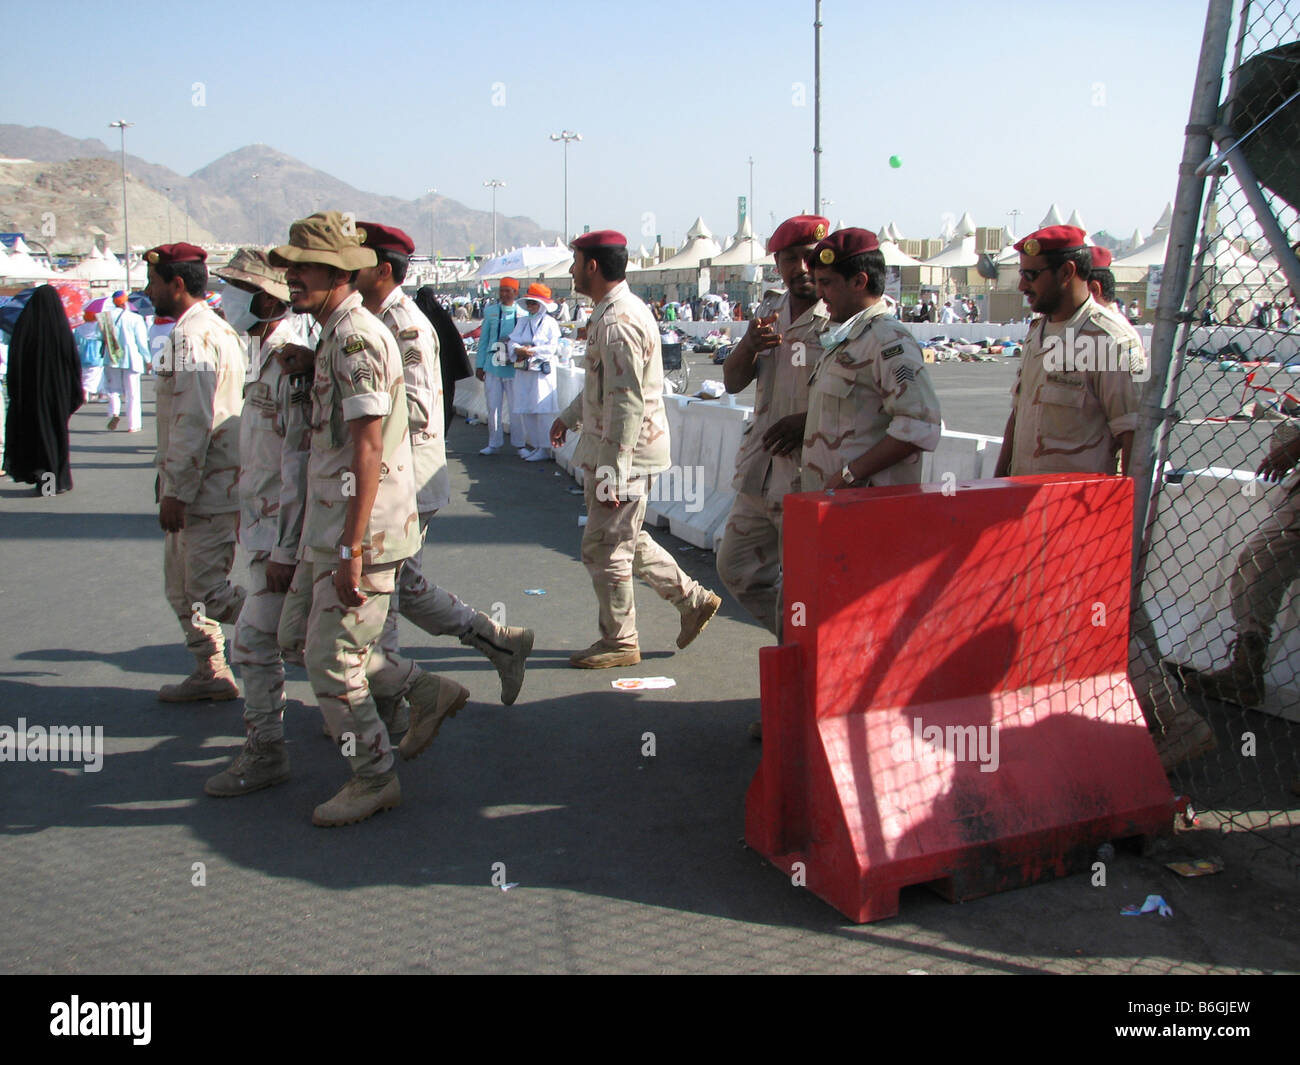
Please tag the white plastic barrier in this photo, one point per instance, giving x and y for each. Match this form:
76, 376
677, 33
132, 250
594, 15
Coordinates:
1200, 527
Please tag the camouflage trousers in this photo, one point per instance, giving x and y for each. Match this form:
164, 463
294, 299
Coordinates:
345, 673
196, 579
256, 650
434, 609
749, 558
1268, 563
615, 548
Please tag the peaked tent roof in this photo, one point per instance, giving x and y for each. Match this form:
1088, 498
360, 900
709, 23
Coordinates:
959, 252
1052, 218
699, 245
1077, 220
895, 256
965, 225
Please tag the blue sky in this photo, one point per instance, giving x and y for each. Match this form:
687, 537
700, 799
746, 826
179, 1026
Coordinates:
991, 106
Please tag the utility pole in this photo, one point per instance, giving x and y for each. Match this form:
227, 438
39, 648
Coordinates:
749, 212
1013, 215
495, 184
566, 136
121, 125
817, 105
257, 196
431, 192
168, 189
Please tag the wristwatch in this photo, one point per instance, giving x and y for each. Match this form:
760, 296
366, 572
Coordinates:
847, 474
347, 554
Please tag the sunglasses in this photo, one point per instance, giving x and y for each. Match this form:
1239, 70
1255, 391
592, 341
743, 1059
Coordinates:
1032, 275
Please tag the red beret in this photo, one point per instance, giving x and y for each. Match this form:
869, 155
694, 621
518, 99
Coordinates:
1100, 257
843, 244
386, 238
601, 238
1053, 238
801, 229
171, 254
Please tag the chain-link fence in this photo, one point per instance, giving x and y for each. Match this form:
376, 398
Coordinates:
1222, 533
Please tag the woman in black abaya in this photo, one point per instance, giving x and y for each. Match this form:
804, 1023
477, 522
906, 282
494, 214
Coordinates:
451, 349
44, 391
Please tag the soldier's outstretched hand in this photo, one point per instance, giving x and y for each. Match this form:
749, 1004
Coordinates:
559, 432
171, 514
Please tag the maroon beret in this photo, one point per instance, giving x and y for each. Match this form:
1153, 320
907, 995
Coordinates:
801, 229
601, 238
386, 238
171, 254
1100, 257
843, 244
1053, 238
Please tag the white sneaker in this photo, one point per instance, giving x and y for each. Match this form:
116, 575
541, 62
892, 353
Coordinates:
540, 454
524, 452
489, 450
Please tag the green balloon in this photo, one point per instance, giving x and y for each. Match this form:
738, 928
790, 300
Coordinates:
895, 161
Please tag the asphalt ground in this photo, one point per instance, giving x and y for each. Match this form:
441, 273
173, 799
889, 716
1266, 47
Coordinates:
620, 862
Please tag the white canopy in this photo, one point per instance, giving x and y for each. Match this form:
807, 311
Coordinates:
1052, 218
99, 267
526, 262
1150, 252
699, 245
895, 256
959, 252
745, 250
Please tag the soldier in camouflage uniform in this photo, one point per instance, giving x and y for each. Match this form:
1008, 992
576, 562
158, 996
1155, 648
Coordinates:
361, 520
438, 612
624, 443
871, 407
1074, 410
778, 350
275, 441
200, 372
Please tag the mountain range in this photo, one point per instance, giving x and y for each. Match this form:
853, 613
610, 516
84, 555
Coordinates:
66, 194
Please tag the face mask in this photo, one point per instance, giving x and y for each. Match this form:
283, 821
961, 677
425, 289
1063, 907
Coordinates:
835, 334
238, 306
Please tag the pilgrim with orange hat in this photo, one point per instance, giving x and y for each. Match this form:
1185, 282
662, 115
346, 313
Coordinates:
532, 348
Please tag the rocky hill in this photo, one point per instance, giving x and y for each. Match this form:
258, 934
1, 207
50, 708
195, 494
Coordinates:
246, 196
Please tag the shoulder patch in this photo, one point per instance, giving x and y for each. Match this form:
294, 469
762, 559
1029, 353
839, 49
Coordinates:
362, 372
411, 356
408, 334
352, 345
904, 372
890, 352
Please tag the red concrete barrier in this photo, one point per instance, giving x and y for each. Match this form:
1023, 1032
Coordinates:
952, 704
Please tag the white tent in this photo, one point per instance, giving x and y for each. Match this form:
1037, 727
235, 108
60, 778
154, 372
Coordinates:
744, 250
1052, 218
1151, 252
1076, 220
20, 266
699, 245
894, 255
99, 267
960, 251
526, 262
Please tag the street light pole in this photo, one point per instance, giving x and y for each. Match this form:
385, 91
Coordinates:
257, 197
431, 192
566, 136
168, 189
749, 211
121, 125
817, 105
495, 184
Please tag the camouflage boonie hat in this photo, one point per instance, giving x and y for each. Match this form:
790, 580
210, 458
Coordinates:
326, 237
251, 266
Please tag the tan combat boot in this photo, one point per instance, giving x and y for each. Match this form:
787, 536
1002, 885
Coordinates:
261, 764
1187, 735
601, 656
433, 699
359, 798
211, 681
506, 648
394, 713
1242, 683
697, 611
